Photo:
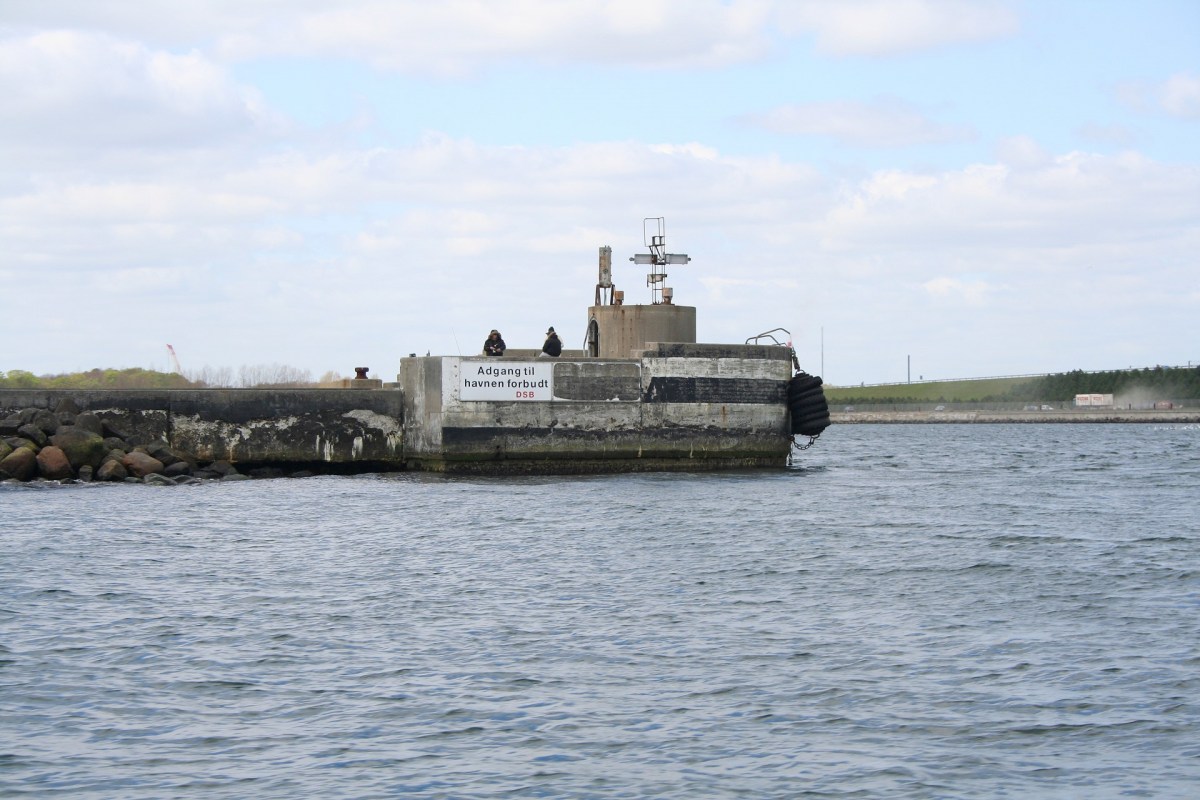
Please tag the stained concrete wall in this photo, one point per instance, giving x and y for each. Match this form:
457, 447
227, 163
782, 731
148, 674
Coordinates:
679, 406
625, 330
300, 427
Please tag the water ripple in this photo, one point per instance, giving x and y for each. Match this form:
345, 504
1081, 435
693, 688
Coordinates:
914, 611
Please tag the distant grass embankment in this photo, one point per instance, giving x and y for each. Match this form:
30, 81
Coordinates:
982, 390
1156, 383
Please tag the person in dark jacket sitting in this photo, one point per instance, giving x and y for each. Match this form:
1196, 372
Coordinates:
553, 346
494, 344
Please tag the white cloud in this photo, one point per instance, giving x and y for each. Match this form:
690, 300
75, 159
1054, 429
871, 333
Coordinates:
66, 88
463, 36
448, 235
1022, 152
891, 27
1180, 96
885, 123
449, 37
1118, 135
140, 281
1073, 200
971, 291
459, 35
693, 149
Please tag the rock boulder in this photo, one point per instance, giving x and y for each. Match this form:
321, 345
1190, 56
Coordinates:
53, 464
46, 420
222, 468
81, 446
141, 464
115, 431
162, 451
112, 471
67, 406
90, 422
20, 464
33, 433
177, 468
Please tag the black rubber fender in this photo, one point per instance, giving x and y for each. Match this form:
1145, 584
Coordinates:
814, 428
801, 384
805, 425
808, 397
809, 413
807, 405
816, 400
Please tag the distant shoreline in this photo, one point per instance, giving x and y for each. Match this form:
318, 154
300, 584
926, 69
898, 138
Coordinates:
1179, 416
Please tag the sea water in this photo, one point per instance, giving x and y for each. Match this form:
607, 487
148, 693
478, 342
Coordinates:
910, 611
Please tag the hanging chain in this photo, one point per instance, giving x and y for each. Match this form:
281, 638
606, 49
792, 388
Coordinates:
795, 445
811, 441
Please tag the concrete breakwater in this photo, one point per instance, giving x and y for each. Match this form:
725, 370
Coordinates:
68, 444
676, 407
63, 434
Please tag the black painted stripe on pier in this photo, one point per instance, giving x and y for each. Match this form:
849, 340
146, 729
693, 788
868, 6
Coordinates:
631, 443
593, 389
758, 391
459, 436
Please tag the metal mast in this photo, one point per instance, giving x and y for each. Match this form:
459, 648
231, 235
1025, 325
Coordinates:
654, 230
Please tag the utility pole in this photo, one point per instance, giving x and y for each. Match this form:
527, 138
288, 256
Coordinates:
910, 369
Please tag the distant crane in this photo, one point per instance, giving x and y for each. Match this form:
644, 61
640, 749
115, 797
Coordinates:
174, 360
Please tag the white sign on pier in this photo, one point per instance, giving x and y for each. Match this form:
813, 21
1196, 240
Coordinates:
506, 380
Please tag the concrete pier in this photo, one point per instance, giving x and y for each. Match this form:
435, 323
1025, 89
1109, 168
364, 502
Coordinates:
676, 407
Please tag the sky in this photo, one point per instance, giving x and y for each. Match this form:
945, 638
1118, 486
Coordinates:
924, 189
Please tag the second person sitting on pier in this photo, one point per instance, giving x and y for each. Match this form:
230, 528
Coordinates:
553, 346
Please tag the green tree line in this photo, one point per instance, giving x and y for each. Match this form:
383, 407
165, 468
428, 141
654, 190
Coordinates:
133, 378
1163, 382
1160, 383
250, 376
